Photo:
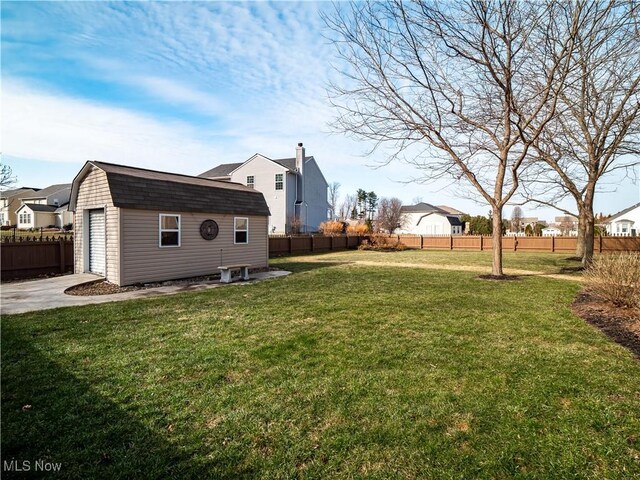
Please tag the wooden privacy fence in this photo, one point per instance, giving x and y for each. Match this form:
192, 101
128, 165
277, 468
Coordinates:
31, 258
311, 243
517, 244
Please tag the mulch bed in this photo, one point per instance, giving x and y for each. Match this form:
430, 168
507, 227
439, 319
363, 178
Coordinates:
102, 287
621, 324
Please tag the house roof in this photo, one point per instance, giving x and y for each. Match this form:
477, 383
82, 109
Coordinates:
50, 190
450, 210
38, 207
621, 213
452, 219
226, 169
15, 191
143, 189
422, 207
223, 170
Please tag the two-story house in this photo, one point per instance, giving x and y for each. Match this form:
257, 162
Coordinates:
46, 207
295, 189
11, 201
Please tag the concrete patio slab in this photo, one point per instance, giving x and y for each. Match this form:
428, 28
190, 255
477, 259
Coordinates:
34, 295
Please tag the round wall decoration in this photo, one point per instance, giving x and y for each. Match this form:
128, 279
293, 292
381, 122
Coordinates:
208, 229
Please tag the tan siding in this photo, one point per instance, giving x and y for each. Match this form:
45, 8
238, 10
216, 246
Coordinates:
94, 192
144, 261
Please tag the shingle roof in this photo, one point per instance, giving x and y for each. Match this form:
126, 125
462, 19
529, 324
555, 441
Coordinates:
38, 207
621, 213
450, 210
14, 191
422, 208
143, 189
51, 189
223, 170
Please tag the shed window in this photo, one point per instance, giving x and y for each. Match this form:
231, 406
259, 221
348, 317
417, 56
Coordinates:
241, 230
169, 235
250, 181
279, 181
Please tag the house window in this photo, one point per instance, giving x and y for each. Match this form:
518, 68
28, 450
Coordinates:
279, 181
169, 231
24, 218
241, 230
250, 181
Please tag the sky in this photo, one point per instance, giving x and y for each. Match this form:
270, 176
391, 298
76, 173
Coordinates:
185, 86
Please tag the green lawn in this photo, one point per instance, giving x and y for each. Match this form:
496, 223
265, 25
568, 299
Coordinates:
339, 370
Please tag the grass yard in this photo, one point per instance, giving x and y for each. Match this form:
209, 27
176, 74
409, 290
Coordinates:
341, 370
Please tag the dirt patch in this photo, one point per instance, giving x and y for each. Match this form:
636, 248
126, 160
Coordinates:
620, 324
102, 287
500, 278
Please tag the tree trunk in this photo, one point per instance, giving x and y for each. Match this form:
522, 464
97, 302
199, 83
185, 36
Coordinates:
496, 242
589, 232
580, 244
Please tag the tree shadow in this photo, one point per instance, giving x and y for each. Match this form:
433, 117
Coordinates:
51, 415
299, 267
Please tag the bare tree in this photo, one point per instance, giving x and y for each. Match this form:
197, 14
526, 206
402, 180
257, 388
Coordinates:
596, 130
346, 207
443, 85
7, 178
389, 216
516, 219
334, 189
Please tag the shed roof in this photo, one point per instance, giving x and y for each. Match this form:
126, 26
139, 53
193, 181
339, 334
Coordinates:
142, 189
422, 207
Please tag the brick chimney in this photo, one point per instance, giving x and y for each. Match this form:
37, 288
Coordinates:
300, 158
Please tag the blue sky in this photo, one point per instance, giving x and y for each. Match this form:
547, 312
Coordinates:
183, 86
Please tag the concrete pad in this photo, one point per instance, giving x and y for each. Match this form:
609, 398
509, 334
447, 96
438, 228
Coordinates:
35, 295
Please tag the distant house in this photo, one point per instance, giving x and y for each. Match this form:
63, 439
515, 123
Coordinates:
426, 219
551, 232
295, 188
625, 222
134, 225
47, 207
10, 201
567, 224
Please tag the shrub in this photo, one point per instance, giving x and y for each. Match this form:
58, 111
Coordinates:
382, 242
358, 229
616, 278
331, 228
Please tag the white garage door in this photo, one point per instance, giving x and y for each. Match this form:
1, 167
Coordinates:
96, 241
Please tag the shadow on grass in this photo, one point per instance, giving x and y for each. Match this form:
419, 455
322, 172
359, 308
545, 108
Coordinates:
299, 267
51, 415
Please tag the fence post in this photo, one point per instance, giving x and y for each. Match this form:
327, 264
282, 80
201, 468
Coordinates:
290, 245
313, 243
600, 244
450, 242
62, 259
421, 242
515, 244
481, 242
331, 242
553, 243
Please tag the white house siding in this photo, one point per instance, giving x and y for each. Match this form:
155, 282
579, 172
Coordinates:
264, 172
93, 192
315, 195
144, 261
629, 221
432, 224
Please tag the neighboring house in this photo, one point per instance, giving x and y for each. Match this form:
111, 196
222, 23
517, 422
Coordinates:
624, 223
426, 219
294, 188
567, 224
551, 232
10, 201
55, 195
135, 226
34, 215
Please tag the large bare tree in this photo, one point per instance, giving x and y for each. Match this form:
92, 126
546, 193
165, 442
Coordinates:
334, 189
443, 86
596, 130
389, 216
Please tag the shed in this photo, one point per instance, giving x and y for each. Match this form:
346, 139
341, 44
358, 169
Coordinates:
134, 225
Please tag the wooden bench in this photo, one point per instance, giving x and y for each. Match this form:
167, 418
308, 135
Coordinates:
226, 270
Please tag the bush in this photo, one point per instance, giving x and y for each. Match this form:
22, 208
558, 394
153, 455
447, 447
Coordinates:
382, 243
358, 229
331, 228
616, 278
